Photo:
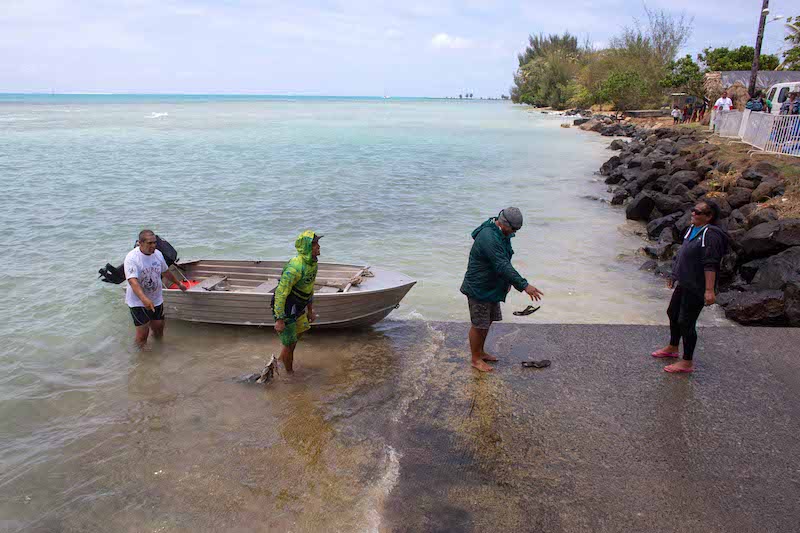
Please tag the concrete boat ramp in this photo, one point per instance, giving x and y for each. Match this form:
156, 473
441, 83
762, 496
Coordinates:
604, 440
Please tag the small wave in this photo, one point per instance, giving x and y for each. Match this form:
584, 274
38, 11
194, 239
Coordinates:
381, 491
157, 115
413, 388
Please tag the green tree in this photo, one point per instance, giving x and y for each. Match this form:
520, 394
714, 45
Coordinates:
791, 57
546, 69
715, 59
684, 75
625, 89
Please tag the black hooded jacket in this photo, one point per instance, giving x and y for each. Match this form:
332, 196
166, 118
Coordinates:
699, 255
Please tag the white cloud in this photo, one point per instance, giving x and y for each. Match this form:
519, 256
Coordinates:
443, 40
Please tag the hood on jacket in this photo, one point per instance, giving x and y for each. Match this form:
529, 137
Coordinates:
490, 223
303, 244
710, 227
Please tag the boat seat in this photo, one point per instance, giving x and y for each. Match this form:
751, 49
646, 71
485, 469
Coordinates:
209, 284
267, 287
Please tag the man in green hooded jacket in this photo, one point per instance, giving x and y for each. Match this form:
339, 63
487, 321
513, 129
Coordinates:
292, 304
489, 277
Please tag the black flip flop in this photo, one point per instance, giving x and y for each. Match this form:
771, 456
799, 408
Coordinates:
544, 363
527, 311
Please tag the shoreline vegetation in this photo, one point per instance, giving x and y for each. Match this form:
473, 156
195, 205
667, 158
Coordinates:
638, 68
663, 170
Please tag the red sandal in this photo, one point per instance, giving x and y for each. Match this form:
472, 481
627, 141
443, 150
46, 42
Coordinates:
661, 354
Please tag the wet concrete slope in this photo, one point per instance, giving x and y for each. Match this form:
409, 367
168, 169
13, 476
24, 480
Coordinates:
603, 440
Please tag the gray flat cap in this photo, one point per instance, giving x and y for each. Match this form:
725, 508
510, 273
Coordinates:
511, 216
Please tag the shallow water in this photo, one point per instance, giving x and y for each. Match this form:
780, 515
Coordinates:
98, 436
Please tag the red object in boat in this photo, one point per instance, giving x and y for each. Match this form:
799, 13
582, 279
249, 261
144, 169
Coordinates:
189, 284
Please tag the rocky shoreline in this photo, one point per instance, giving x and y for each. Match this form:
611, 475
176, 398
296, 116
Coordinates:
661, 172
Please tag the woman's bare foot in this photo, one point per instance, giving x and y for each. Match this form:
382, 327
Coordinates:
480, 365
490, 358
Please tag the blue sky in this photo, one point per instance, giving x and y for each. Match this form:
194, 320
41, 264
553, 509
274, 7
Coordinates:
330, 47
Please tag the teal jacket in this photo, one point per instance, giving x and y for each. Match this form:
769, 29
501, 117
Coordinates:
489, 271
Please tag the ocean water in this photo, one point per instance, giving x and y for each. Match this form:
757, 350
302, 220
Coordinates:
95, 432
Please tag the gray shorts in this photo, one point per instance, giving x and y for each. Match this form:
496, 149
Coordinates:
482, 314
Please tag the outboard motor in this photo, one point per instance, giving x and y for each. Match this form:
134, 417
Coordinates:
116, 275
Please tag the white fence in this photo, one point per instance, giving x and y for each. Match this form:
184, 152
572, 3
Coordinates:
772, 133
729, 123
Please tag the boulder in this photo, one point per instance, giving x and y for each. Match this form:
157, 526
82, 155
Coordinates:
660, 163
766, 190
636, 161
649, 265
749, 269
660, 250
746, 184
654, 214
736, 237
657, 226
762, 171
683, 223
668, 204
776, 271
616, 175
581, 121
727, 269
771, 237
748, 209
667, 146
668, 236
762, 216
791, 303
613, 130
660, 185
664, 270
610, 165
739, 196
724, 207
640, 207
589, 124
680, 165
703, 168
620, 195
649, 176
617, 144
764, 308
680, 190
689, 178
736, 220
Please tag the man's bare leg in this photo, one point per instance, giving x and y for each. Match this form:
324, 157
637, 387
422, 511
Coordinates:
158, 328
142, 332
287, 357
477, 338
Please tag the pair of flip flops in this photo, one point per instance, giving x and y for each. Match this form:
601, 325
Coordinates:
544, 363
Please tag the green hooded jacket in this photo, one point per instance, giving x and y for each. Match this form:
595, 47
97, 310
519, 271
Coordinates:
295, 289
489, 271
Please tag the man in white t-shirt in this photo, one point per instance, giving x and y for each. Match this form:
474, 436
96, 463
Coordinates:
144, 266
723, 103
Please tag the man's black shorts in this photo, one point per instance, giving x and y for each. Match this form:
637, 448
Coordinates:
142, 315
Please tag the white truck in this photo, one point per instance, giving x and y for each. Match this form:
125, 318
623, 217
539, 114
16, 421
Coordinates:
778, 93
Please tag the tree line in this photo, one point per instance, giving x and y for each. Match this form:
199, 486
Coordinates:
635, 69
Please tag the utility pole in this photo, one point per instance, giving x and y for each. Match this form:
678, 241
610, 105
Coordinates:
760, 37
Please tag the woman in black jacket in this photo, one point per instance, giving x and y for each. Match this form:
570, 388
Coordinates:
694, 277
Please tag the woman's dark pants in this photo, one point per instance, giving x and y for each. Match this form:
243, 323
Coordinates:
683, 311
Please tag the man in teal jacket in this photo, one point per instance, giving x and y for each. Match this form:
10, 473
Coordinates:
489, 277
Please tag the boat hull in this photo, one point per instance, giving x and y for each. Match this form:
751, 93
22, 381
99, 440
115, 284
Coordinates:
366, 304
